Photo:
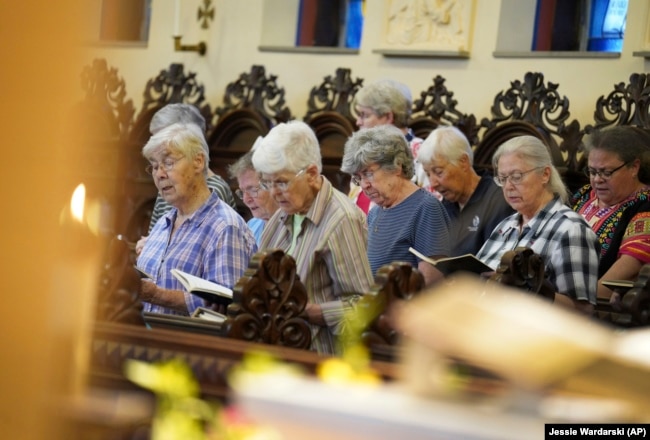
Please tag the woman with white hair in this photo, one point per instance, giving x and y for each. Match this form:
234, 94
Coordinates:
200, 235
543, 222
317, 225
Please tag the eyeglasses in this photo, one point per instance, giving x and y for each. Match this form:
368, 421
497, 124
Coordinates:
252, 191
167, 165
368, 176
603, 174
514, 178
282, 185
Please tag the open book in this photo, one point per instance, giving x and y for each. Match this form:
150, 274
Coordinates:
618, 285
207, 290
449, 265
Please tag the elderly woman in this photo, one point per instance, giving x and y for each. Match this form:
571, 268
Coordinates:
260, 202
380, 162
200, 235
616, 202
316, 224
186, 114
475, 204
542, 222
381, 103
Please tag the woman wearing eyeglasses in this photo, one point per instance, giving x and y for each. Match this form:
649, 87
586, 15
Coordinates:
319, 226
543, 222
200, 235
260, 202
616, 202
380, 162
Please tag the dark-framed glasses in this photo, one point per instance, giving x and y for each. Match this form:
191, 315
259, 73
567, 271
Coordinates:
251, 191
515, 178
167, 164
603, 174
282, 185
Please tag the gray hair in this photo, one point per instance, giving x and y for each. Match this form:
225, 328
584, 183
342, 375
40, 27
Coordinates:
387, 96
173, 113
289, 146
384, 145
535, 153
447, 142
626, 142
186, 139
243, 164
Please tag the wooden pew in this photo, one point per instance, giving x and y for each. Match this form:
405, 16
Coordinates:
103, 119
330, 115
627, 104
436, 106
534, 107
266, 314
252, 104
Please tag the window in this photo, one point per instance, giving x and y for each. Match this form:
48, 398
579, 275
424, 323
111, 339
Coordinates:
125, 20
579, 25
333, 23
320, 25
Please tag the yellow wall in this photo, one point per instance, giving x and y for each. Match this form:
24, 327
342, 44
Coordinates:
235, 33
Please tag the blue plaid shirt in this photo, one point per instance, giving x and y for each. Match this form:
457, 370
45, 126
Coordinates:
562, 238
214, 244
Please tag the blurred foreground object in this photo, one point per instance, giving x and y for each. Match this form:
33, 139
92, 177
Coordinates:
534, 348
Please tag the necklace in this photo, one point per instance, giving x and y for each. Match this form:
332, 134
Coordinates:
380, 214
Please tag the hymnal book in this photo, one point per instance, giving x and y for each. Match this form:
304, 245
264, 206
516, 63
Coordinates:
622, 285
207, 290
142, 273
208, 315
449, 265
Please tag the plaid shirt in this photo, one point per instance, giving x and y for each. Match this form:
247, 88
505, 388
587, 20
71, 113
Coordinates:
562, 238
214, 244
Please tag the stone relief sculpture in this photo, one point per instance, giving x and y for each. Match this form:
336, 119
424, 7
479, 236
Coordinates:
429, 24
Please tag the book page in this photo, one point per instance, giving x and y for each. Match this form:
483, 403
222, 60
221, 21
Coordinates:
208, 315
194, 283
466, 263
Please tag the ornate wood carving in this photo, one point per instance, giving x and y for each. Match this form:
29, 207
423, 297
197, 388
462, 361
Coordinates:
118, 294
170, 86
437, 106
523, 269
536, 108
210, 357
331, 117
268, 302
334, 94
398, 281
105, 99
627, 104
254, 90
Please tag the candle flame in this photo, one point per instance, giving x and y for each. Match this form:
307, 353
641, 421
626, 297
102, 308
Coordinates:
77, 202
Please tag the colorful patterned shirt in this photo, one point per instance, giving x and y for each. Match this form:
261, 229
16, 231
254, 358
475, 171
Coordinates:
622, 229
